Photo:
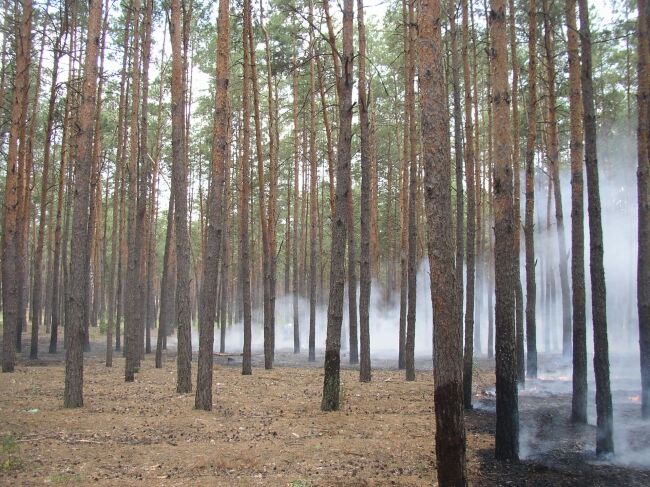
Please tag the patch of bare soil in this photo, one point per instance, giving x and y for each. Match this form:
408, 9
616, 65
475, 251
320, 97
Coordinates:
265, 429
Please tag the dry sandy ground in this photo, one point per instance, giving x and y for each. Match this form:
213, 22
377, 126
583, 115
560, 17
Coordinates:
265, 429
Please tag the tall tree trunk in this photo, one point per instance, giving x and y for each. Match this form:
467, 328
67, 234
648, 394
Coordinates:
211, 257
447, 334
261, 199
244, 197
643, 181
134, 298
529, 226
412, 204
516, 170
179, 17
404, 204
144, 225
458, 160
295, 288
604, 441
366, 201
554, 167
344, 83
11, 284
468, 355
45, 181
313, 196
507, 428
271, 215
73, 393
579, 397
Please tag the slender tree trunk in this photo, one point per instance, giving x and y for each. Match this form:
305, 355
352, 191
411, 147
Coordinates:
261, 199
352, 279
331, 382
271, 215
404, 204
529, 226
244, 243
468, 356
179, 17
11, 284
313, 196
604, 441
45, 181
554, 167
144, 225
458, 160
507, 428
296, 210
73, 393
412, 203
211, 257
447, 334
643, 181
579, 397
133, 309
366, 203
516, 165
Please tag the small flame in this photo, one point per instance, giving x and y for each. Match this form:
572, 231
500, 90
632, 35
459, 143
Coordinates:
635, 398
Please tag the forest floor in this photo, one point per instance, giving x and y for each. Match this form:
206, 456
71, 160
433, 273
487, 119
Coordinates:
267, 429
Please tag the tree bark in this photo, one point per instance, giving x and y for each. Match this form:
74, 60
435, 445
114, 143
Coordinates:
133, 309
331, 382
579, 397
468, 356
507, 427
313, 195
366, 199
604, 437
11, 283
244, 243
211, 257
179, 16
447, 334
554, 169
643, 181
409, 349
516, 165
75, 311
529, 226
45, 181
